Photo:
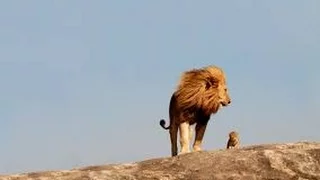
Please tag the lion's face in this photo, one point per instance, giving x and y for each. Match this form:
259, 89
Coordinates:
224, 98
204, 89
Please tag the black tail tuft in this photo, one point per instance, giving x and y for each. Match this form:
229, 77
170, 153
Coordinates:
162, 124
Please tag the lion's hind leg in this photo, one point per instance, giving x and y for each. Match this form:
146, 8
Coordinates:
174, 138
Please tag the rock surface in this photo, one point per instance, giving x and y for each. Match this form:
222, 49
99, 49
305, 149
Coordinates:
292, 161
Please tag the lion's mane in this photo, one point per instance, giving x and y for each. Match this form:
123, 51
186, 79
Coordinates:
198, 89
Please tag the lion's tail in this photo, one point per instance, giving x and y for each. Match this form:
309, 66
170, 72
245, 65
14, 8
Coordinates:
162, 124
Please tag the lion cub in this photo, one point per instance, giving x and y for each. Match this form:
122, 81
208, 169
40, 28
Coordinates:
234, 141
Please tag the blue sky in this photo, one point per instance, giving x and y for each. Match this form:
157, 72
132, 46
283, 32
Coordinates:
86, 83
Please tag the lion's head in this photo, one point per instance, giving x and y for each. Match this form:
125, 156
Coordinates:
204, 89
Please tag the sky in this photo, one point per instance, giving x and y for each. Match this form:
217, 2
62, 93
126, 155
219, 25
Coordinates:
86, 83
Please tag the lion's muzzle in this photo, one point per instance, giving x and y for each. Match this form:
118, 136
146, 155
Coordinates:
223, 103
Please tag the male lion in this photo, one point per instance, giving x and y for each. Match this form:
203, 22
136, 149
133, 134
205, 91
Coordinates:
199, 94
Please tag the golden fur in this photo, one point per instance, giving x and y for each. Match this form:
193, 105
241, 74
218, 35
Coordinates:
200, 93
234, 140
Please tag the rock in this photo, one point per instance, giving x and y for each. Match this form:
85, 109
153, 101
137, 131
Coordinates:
291, 161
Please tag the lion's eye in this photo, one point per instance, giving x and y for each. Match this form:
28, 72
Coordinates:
225, 89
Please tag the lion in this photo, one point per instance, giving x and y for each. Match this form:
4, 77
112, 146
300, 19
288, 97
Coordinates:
234, 140
200, 93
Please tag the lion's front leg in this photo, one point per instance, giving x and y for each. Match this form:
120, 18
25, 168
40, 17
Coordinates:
200, 130
184, 137
190, 133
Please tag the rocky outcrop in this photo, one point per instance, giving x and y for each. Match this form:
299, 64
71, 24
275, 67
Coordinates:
292, 161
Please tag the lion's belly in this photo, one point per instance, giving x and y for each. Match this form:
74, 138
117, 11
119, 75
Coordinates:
192, 120
195, 116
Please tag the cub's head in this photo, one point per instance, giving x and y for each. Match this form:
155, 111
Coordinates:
233, 135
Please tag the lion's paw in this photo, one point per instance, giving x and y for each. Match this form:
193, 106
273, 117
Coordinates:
196, 149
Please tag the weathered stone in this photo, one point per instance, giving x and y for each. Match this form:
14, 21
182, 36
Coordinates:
292, 161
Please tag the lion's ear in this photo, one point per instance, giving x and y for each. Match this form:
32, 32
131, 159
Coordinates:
212, 83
